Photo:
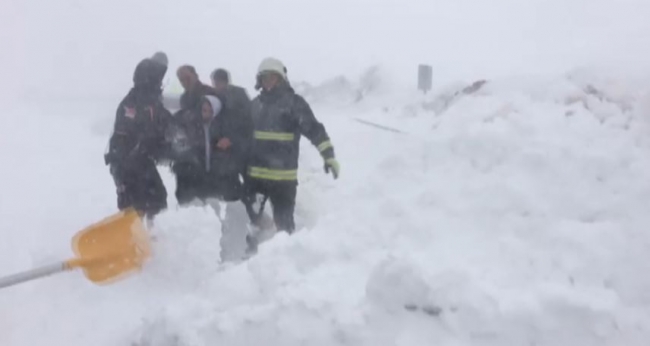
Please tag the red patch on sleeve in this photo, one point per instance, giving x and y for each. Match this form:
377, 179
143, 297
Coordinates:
129, 112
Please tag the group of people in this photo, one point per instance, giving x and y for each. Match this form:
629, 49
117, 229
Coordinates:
220, 144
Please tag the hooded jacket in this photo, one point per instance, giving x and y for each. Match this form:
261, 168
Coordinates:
208, 133
201, 151
237, 123
204, 170
280, 117
140, 121
188, 118
160, 59
191, 100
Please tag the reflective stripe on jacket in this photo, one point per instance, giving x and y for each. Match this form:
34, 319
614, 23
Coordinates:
280, 118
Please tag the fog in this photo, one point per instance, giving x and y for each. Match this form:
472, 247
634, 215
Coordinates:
79, 49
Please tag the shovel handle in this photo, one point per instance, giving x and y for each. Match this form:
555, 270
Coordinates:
33, 274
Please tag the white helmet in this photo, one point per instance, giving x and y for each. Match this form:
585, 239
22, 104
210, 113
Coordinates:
272, 65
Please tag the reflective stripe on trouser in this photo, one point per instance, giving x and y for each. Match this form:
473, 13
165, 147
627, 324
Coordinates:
274, 136
273, 174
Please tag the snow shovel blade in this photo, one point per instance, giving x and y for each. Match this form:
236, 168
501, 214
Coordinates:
106, 251
112, 248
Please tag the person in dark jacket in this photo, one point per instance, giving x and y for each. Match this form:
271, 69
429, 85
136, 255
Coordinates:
215, 166
160, 58
194, 89
209, 157
189, 176
280, 117
205, 183
239, 107
236, 96
223, 149
214, 157
138, 143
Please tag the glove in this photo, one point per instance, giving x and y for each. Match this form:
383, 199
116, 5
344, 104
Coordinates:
332, 165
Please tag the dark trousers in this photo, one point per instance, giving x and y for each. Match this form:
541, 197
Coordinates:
139, 186
283, 201
193, 183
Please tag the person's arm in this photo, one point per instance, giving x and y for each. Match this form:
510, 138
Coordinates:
165, 123
123, 138
243, 120
311, 128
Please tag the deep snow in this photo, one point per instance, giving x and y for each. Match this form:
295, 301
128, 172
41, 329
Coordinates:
516, 215
518, 211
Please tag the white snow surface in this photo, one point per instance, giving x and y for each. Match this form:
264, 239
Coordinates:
516, 215
519, 212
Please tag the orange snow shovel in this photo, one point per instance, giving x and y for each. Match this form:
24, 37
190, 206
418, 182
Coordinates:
106, 251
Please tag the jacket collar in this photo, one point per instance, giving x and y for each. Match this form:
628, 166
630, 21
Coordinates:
276, 92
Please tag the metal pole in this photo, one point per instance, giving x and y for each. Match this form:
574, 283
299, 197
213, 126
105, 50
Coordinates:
32, 274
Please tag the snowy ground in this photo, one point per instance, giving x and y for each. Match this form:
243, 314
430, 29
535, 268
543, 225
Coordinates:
515, 216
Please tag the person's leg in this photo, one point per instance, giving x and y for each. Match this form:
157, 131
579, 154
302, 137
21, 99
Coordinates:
234, 231
283, 200
153, 191
254, 192
254, 199
135, 183
183, 193
124, 199
187, 184
222, 196
229, 187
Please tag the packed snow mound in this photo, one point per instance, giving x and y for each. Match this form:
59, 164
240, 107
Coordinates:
85, 314
341, 91
581, 92
513, 217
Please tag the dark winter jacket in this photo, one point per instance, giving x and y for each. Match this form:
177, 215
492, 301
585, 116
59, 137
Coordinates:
138, 142
237, 123
140, 125
148, 75
206, 170
159, 72
237, 99
280, 117
188, 118
208, 153
191, 100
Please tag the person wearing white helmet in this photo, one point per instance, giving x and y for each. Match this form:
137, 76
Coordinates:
280, 118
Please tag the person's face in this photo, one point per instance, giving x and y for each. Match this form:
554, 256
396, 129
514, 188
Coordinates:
206, 111
219, 85
269, 80
187, 78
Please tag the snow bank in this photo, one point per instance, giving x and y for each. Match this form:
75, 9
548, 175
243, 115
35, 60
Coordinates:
514, 214
341, 92
513, 218
66, 309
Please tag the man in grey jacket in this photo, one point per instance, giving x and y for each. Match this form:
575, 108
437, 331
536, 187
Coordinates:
238, 105
236, 96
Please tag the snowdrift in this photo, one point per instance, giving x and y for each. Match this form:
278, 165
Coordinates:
513, 214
